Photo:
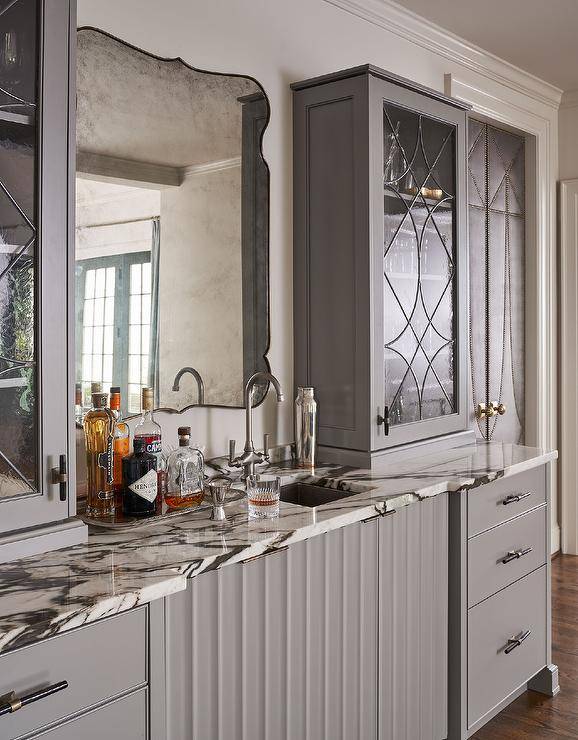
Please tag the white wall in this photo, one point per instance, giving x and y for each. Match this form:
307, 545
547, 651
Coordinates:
279, 42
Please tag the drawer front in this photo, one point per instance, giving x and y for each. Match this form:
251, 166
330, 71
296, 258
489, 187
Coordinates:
505, 554
505, 499
492, 673
124, 718
99, 661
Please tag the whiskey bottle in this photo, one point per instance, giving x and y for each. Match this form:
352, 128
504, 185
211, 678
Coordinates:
99, 438
121, 443
185, 474
150, 432
140, 484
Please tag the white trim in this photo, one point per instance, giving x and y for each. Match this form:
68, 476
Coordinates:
569, 99
406, 24
104, 168
541, 309
204, 169
569, 363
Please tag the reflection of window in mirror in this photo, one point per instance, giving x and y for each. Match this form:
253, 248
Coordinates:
117, 231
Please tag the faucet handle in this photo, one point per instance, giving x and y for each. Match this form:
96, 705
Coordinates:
232, 444
266, 446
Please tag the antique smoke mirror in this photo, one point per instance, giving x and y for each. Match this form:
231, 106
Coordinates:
172, 222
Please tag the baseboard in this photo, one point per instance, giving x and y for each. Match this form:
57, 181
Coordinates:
555, 538
45, 538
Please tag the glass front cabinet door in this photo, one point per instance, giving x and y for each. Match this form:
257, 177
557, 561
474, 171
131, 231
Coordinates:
380, 269
35, 403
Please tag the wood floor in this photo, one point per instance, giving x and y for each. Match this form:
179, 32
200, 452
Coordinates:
533, 716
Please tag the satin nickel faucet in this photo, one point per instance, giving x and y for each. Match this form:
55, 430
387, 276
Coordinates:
197, 376
250, 456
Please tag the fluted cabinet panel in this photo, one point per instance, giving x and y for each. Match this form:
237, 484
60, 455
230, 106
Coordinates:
413, 604
283, 647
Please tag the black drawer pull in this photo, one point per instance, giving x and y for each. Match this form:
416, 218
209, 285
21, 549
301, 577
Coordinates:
12, 703
515, 497
516, 554
515, 642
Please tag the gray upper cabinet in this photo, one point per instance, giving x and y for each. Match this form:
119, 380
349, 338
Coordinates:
380, 259
35, 397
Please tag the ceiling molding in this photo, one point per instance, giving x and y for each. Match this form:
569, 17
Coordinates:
104, 168
412, 27
569, 99
203, 169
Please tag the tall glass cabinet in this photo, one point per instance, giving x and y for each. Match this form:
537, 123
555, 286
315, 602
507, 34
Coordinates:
36, 510
380, 260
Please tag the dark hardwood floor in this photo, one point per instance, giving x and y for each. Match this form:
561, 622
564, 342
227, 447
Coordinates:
533, 716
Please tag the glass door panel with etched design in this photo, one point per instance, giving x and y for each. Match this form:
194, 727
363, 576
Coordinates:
419, 274
19, 430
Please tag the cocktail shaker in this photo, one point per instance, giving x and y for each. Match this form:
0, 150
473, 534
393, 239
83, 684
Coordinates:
305, 427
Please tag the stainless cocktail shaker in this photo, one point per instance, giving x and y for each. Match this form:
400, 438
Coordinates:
305, 427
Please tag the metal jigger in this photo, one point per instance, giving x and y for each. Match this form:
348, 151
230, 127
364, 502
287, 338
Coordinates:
219, 487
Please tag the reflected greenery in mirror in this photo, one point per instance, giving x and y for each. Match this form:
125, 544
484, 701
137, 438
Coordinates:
172, 228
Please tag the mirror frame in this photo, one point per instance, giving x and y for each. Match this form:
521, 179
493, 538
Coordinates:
267, 344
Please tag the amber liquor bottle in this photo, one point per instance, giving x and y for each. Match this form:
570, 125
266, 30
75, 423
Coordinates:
99, 438
140, 484
121, 443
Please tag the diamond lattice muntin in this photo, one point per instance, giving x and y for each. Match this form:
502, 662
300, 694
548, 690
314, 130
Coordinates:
18, 263
418, 266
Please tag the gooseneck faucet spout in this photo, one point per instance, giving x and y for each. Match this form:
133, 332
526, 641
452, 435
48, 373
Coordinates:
197, 376
250, 456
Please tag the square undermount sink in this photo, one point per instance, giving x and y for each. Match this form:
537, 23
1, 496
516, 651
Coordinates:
310, 494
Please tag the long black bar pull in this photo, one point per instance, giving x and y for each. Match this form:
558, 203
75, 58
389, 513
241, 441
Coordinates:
12, 703
60, 476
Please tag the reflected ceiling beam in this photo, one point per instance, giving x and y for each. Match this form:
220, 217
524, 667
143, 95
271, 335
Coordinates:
104, 168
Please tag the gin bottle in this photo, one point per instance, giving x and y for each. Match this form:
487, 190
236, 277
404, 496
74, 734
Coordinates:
140, 485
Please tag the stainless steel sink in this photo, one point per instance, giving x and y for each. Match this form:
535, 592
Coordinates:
309, 494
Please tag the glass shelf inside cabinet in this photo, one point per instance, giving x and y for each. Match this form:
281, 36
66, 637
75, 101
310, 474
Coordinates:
18, 254
418, 266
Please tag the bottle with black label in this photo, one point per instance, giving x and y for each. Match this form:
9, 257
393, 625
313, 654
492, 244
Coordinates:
140, 484
148, 430
99, 438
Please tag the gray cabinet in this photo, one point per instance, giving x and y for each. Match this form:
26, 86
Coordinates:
36, 180
341, 636
105, 667
380, 260
499, 608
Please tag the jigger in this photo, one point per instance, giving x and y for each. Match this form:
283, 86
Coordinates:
219, 487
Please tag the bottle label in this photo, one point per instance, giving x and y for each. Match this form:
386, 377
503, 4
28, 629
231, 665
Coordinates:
147, 486
154, 446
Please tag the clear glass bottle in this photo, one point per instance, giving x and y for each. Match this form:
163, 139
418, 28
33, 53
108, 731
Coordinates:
99, 439
121, 442
185, 476
305, 427
140, 484
78, 405
148, 430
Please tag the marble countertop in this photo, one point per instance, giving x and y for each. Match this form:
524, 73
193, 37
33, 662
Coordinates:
117, 570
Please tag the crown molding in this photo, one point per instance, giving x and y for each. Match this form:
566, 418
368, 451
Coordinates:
203, 169
569, 99
412, 27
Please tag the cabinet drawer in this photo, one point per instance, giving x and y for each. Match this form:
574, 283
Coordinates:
124, 718
504, 499
494, 674
99, 661
520, 542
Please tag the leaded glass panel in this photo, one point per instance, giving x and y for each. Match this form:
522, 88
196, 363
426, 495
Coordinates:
418, 266
18, 249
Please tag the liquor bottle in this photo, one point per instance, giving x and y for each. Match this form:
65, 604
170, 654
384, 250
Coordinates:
148, 430
99, 438
78, 405
305, 427
140, 484
121, 442
185, 474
